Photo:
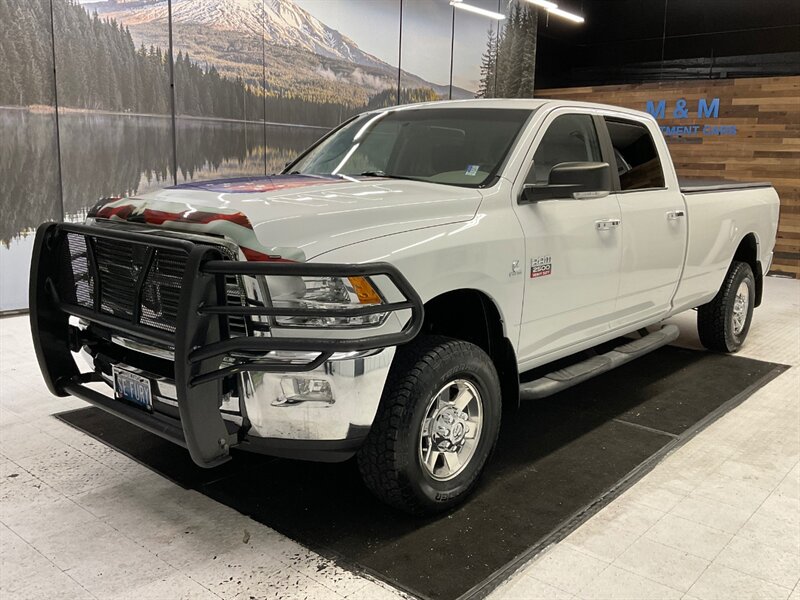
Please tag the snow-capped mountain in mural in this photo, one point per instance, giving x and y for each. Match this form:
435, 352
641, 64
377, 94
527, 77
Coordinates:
307, 59
283, 22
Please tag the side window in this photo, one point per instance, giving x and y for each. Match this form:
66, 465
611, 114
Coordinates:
638, 164
569, 138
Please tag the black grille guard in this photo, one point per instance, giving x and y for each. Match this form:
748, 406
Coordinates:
201, 340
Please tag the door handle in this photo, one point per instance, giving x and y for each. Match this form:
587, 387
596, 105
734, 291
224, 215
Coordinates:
604, 224
674, 215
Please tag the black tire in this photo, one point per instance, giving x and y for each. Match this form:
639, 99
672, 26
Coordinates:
715, 320
390, 461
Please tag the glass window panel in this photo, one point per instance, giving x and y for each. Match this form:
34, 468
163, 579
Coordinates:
569, 138
638, 164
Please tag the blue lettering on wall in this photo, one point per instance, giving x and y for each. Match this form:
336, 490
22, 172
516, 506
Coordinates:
719, 130
681, 110
706, 111
657, 111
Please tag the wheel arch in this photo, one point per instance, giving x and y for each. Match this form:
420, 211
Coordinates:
747, 252
473, 316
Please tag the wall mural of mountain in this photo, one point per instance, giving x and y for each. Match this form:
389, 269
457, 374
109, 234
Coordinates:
281, 21
298, 56
256, 82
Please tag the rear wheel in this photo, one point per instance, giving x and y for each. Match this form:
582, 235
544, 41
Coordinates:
436, 426
724, 322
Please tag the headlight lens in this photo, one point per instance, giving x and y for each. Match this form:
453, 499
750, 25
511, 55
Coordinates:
325, 293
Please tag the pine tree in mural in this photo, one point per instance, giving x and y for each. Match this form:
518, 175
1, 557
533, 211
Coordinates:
527, 59
25, 55
99, 68
488, 62
507, 68
388, 98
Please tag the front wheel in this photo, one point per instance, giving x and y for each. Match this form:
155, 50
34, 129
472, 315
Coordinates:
724, 322
436, 426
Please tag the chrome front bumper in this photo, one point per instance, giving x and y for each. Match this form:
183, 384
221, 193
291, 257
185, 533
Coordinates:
269, 407
346, 408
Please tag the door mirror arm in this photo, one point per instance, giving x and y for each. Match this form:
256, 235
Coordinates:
537, 192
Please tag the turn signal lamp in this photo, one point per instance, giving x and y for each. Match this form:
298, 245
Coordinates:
365, 292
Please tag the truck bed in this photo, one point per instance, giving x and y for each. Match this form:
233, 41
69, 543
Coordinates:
691, 185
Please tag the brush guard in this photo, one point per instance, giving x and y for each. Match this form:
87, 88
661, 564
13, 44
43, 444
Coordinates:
205, 352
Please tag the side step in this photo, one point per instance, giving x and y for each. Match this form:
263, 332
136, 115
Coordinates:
562, 379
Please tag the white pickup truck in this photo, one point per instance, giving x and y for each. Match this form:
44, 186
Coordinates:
387, 294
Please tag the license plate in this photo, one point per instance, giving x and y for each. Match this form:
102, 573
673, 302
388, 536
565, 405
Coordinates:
133, 388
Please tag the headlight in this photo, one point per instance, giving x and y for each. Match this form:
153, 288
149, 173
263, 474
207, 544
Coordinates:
325, 293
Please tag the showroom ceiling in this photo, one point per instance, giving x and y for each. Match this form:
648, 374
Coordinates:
625, 41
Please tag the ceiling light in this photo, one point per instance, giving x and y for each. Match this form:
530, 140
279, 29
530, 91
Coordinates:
567, 15
477, 10
552, 7
544, 4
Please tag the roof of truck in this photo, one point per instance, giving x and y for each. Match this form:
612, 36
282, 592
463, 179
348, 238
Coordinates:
525, 103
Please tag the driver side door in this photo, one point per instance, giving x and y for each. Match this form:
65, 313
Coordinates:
573, 247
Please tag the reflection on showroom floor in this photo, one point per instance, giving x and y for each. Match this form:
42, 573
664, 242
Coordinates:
720, 517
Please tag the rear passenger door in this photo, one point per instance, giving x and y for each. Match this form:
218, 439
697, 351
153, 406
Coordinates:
654, 223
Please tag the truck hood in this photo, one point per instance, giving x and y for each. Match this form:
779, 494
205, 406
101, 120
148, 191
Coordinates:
296, 217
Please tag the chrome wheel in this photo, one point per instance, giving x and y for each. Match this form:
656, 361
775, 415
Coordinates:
741, 305
450, 429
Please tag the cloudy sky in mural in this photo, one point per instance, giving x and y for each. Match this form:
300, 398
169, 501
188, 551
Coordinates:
373, 25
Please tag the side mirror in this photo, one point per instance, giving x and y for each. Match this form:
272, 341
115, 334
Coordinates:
571, 180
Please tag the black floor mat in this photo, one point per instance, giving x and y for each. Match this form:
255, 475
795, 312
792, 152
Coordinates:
558, 461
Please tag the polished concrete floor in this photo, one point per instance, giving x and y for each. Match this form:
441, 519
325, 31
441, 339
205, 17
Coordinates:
718, 518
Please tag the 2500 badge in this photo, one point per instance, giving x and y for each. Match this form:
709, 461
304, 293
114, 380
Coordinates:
541, 266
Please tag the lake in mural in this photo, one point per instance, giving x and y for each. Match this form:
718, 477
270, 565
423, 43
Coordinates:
115, 155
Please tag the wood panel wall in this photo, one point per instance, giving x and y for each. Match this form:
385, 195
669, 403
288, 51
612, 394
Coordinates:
766, 112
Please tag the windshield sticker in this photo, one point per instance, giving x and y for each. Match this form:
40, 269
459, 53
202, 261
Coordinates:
541, 266
472, 170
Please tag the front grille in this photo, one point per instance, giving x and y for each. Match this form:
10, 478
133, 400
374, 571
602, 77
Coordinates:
118, 267
161, 291
130, 281
77, 283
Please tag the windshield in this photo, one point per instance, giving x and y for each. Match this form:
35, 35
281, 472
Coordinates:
455, 146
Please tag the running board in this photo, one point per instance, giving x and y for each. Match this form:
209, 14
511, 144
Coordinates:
562, 379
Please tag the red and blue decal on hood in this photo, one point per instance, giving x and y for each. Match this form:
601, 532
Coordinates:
179, 214
233, 225
255, 185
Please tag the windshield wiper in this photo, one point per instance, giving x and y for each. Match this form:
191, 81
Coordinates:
387, 175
